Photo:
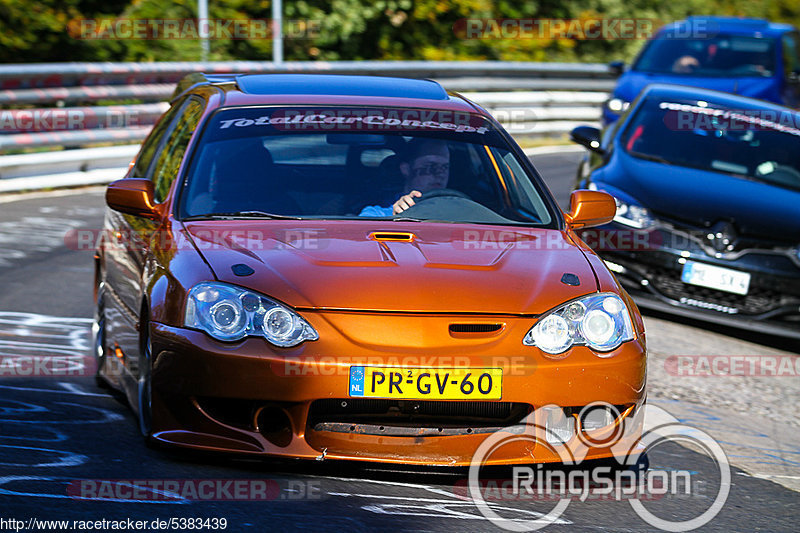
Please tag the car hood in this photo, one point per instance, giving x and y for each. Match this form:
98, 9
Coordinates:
450, 268
632, 83
703, 198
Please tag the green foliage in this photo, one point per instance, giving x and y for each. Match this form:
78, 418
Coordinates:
45, 30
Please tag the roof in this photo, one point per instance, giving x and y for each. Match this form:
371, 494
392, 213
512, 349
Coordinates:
328, 89
337, 85
718, 97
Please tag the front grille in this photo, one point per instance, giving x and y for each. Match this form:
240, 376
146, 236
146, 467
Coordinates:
758, 300
699, 240
440, 415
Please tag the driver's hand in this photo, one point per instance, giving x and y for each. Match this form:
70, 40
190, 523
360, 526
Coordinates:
405, 202
685, 64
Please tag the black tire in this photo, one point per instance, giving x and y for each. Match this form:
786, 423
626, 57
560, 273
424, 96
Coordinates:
145, 385
99, 341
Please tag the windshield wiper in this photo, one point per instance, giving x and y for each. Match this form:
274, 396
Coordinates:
242, 214
409, 219
649, 157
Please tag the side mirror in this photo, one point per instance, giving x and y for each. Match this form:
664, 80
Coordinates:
616, 68
133, 196
587, 136
590, 208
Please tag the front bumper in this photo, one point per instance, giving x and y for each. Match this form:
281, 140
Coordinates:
254, 399
652, 275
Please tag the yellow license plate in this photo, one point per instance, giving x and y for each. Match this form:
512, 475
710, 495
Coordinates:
426, 383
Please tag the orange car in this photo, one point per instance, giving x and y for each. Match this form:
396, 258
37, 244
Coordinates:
356, 268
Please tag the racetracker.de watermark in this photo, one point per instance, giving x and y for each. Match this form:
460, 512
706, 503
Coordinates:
313, 238
701, 116
35, 120
190, 29
87, 240
726, 366
597, 239
579, 29
551, 29
188, 490
331, 365
46, 366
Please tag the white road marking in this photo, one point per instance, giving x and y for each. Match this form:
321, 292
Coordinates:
433, 507
63, 495
56, 391
9, 198
26, 409
18, 238
76, 389
389, 497
67, 458
27, 340
58, 436
106, 415
446, 511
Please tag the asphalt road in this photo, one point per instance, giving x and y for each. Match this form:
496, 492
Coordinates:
63, 440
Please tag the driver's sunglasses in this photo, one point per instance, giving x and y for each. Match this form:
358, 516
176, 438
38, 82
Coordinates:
432, 169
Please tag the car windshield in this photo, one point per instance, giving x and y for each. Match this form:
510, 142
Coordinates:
720, 55
751, 143
347, 163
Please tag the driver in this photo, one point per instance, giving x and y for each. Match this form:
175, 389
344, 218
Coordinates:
426, 168
685, 65
689, 63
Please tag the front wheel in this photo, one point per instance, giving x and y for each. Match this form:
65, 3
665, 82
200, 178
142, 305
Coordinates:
145, 386
99, 344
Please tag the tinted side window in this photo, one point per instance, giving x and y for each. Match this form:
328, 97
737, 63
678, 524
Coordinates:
153, 141
170, 156
791, 54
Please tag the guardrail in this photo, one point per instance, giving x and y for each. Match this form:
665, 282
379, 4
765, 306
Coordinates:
75, 105
84, 74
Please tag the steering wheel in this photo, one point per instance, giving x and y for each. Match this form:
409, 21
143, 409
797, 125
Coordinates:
780, 174
441, 193
451, 205
744, 70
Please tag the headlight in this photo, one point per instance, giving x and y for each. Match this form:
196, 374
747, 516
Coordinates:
617, 105
633, 215
230, 313
600, 321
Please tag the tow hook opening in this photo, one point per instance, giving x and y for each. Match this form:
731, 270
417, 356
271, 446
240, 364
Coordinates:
274, 424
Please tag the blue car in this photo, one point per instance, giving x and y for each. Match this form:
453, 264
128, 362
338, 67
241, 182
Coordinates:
708, 205
750, 57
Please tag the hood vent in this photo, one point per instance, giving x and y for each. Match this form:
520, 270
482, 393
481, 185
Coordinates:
465, 331
392, 236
